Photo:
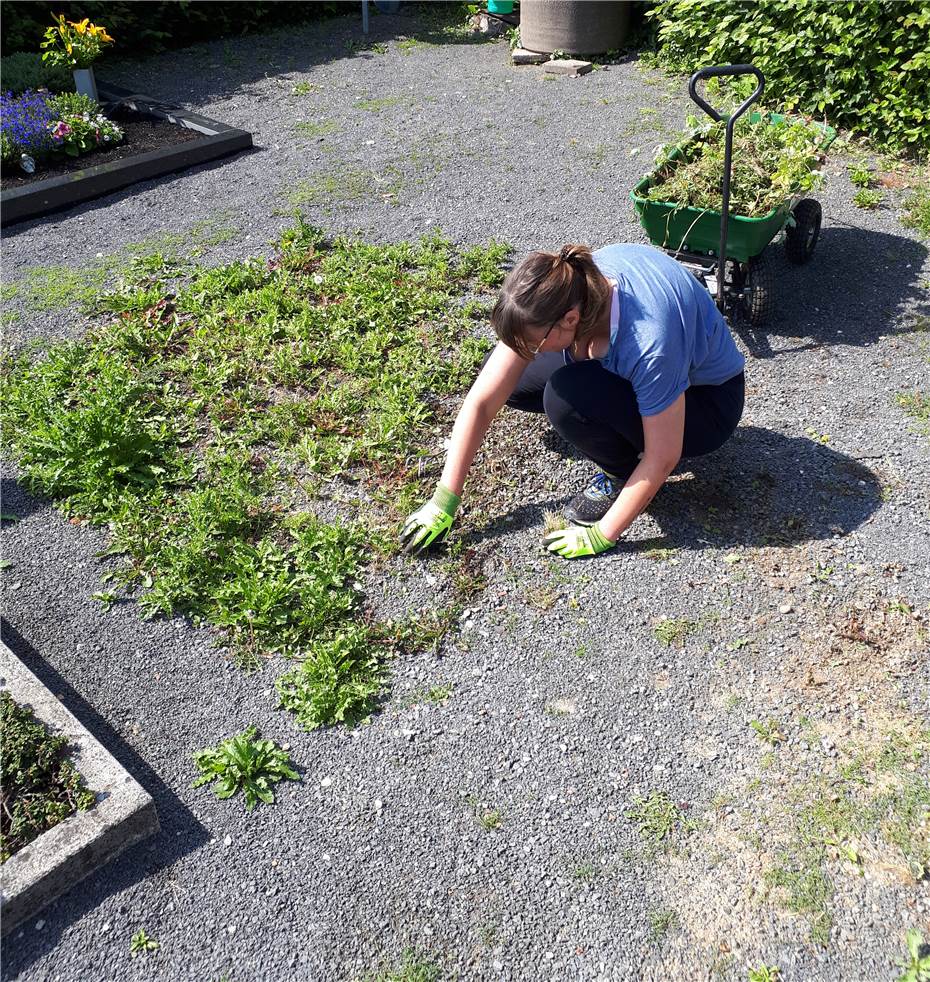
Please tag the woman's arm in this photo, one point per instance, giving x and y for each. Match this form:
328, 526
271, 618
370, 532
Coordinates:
664, 436
491, 389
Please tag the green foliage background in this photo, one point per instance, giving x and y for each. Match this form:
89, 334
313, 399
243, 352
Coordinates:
147, 26
865, 65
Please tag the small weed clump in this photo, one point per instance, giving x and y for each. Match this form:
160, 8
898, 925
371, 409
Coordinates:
660, 921
142, 943
916, 967
40, 787
671, 631
764, 973
659, 818
203, 423
769, 732
917, 209
414, 967
868, 199
244, 763
917, 406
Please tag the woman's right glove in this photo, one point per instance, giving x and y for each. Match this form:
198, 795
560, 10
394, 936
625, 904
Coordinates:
430, 523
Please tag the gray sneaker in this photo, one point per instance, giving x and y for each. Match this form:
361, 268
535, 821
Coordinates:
592, 504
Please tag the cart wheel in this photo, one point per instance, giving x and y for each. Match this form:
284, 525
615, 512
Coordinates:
759, 291
801, 240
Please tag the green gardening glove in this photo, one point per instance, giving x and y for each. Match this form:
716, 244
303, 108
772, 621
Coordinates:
430, 523
577, 541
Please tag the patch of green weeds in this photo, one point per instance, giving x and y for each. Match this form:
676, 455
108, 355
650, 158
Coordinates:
488, 818
45, 288
916, 966
41, 788
917, 405
860, 174
660, 921
198, 422
868, 199
142, 943
880, 796
376, 105
764, 973
671, 631
303, 88
658, 818
244, 763
769, 732
310, 130
414, 967
585, 872
343, 186
660, 554
917, 209
434, 695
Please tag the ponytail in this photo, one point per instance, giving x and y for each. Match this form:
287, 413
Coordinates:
543, 288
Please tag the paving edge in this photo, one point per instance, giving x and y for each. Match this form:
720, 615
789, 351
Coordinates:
123, 815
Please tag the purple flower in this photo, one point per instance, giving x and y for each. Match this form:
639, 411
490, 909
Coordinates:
25, 120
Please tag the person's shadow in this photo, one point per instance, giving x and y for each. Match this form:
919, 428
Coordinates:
760, 489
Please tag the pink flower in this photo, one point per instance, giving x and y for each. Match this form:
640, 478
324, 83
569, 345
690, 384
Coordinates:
98, 135
62, 129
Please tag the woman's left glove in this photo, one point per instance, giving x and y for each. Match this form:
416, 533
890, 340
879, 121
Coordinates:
577, 541
431, 523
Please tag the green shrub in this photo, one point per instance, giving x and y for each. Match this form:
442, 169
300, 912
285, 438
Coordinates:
150, 27
864, 65
26, 70
73, 104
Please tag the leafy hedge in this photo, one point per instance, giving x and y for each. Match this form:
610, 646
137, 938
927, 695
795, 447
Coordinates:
864, 64
147, 26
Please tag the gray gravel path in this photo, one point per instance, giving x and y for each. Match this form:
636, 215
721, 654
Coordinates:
564, 705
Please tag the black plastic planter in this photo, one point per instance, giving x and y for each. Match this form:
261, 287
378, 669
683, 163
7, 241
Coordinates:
65, 191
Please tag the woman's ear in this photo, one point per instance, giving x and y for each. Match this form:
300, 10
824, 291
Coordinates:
571, 319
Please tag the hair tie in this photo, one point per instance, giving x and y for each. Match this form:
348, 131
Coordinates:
567, 253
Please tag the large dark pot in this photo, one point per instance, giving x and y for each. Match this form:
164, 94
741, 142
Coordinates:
575, 26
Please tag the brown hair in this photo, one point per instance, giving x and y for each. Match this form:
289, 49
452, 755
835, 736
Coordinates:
543, 288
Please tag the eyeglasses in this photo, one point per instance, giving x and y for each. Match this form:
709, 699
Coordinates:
535, 351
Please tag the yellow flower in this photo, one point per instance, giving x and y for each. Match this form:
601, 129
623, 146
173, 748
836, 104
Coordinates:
104, 36
82, 26
68, 47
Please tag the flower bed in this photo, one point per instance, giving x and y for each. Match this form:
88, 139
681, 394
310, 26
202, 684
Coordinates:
40, 130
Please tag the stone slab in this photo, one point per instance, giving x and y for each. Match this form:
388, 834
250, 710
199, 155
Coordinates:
123, 815
521, 56
567, 66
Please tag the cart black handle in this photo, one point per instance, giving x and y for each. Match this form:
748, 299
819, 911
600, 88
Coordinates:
716, 71
713, 72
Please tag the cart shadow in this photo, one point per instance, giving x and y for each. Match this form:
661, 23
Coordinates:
860, 286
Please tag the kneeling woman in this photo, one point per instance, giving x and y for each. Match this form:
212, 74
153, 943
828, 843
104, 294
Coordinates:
630, 359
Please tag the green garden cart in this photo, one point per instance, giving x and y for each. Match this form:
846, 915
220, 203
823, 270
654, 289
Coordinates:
743, 283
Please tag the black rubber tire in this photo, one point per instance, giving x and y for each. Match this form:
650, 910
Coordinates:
759, 290
801, 240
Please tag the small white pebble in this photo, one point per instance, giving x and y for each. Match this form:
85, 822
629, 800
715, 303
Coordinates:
227, 841
326, 782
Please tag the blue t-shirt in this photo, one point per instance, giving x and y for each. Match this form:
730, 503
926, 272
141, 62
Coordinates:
669, 333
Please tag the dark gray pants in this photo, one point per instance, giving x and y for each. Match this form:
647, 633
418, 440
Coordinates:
596, 411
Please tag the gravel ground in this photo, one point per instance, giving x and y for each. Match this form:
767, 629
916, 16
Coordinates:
564, 705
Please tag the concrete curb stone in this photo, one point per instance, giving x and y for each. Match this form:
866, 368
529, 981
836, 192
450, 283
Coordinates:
123, 815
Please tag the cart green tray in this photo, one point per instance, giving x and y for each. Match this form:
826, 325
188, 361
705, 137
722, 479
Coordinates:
697, 230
